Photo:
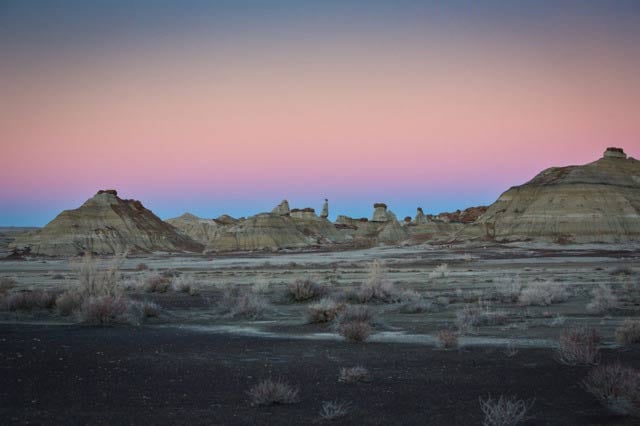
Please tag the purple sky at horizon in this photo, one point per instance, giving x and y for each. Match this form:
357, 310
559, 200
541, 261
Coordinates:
216, 107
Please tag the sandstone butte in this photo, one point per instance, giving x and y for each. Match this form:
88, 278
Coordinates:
597, 202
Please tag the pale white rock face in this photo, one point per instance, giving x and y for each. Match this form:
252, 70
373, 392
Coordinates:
304, 214
106, 224
282, 209
198, 229
420, 218
596, 202
325, 209
380, 213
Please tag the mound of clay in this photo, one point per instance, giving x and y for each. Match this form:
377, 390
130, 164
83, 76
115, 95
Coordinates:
196, 228
596, 202
106, 224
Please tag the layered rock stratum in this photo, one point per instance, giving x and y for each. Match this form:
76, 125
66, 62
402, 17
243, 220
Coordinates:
595, 202
106, 224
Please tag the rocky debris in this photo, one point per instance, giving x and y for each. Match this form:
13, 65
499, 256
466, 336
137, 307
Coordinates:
595, 202
282, 209
196, 228
325, 209
106, 224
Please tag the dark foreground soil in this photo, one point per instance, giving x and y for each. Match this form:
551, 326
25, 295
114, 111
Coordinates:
75, 375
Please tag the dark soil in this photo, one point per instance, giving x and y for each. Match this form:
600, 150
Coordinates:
78, 375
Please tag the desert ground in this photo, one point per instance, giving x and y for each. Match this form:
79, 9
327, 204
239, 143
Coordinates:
214, 326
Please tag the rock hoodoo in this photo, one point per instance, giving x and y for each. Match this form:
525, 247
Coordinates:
282, 209
106, 224
325, 209
420, 219
596, 202
380, 213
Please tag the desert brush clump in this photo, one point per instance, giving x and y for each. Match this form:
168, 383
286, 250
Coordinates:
185, 284
355, 323
332, 410
472, 316
324, 310
603, 299
241, 302
505, 411
273, 392
28, 300
543, 294
628, 332
579, 346
440, 271
6, 284
156, 283
354, 374
411, 302
616, 387
377, 287
508, 289
447, 339
304, 289
98, 297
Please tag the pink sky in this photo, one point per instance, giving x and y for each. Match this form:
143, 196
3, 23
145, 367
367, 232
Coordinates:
413, 120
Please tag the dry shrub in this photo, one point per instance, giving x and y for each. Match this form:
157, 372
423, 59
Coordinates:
325, 310
94, 281
6, 284
273, 392
508, 290
411, 302
242, 303
504, 411
185, 284
29, 300
543, 294
156, 284
480, 315
149, 309
142, 267
303, 289
440, 271
354, 374
359, 313
109, 310
377, 287
615, 387
603, 299
448, 339
332, 410
629, 332
355, 331
579, 346
68, 302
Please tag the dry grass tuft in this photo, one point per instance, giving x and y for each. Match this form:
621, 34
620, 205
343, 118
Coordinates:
579, 346
185, 284
156, 284
29, 300
354, 374
325, 310
543, 294
615, 387
109, 310
303, 289
448, 339
440, 271
355, 331
241, 302
504, 411
273, 392
629, 332
332, 410
603, 300
6, 284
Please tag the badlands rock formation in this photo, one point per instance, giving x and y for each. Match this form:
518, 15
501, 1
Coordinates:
325, 209
106, 224
196, 228
596, 202
282, 209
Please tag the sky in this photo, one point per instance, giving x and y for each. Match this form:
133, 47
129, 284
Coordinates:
216, 107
